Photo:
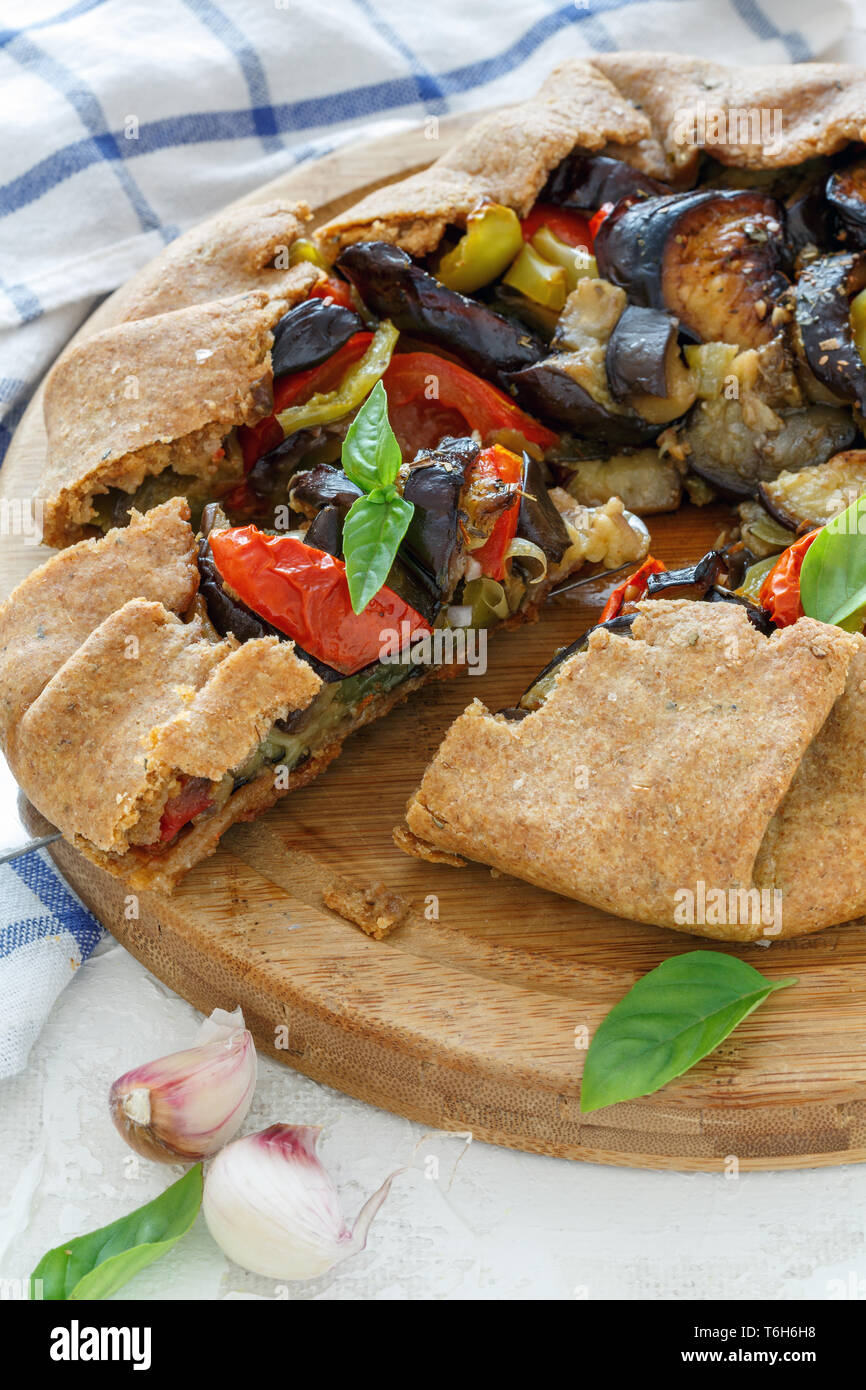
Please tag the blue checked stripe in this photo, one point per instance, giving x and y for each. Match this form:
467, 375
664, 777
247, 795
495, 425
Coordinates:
427, 84
219, 24
89, 112
761, 24
64, 908
354, 104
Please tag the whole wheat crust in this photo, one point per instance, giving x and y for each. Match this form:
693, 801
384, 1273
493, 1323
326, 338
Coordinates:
696, 758
113, 684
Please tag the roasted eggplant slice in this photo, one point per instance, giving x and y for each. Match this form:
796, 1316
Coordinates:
647, 483
310, 333
824, 292
846, 195
270, 475
536, 693
548, 390
809, 218
736, 453
587, 180
434, 484
325, 531
714, 259
757, 616
801, 501
320, 487
692, 582
393, 287
637, 350
416, 586
538, 520
571, 386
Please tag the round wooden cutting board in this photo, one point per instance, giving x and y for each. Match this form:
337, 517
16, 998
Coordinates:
475, 1012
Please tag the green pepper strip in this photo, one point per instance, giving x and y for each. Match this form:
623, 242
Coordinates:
492, 240
353, 389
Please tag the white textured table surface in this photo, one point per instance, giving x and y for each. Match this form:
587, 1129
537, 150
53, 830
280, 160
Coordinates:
509, 1226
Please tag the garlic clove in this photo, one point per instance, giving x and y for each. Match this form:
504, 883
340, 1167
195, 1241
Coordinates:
273, 1208
184, 1107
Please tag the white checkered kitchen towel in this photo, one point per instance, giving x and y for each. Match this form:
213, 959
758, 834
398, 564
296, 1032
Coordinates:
124, 121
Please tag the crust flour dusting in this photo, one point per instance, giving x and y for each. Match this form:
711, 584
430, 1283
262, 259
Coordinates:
655, 764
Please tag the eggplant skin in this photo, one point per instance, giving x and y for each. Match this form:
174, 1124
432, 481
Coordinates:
637, 352
811, 497
434, 485
325, 531
823, 318
311, 333
846, 195
270, 476
736, 457
714, 259
393, 287
550, 392
322, 486
588, 180
692, 582
538, 520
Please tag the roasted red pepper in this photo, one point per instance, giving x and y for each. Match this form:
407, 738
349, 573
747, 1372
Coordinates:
508, 468
631, 590
412, 379
597, 218
193, 798
303, 592
569, 226
332, 288
780, 591
297, 387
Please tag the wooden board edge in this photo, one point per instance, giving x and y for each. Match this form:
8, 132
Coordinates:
377, 1069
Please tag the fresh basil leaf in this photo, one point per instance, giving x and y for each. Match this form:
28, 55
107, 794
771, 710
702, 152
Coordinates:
833, 576
98, 1264
667, 1022
371, 455
372, 533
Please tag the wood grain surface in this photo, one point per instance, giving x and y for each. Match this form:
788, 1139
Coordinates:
474, 1013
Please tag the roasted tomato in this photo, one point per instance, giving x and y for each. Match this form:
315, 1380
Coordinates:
714, 259
780, 591
631, 590
303, 593
194, 797
569, 226
498, 471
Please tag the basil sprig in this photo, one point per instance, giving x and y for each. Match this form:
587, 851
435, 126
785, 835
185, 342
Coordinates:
99, 1263
833, 576
378, 521
667, 1022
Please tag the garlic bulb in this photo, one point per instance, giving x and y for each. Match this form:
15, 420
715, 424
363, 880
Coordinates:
186, 1106
272, 1208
